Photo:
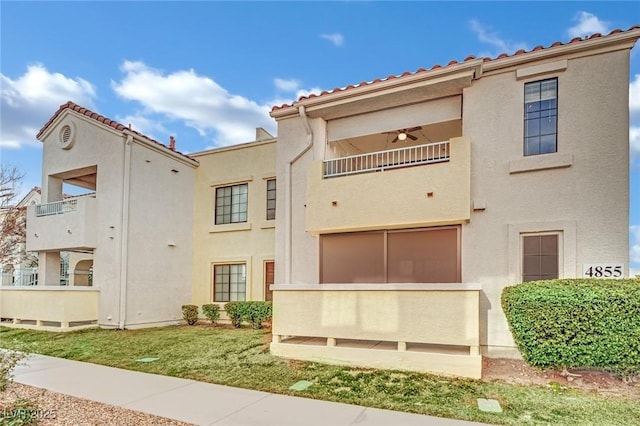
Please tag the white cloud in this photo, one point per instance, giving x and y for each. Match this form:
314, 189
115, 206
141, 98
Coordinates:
634, 95
305, 92
336, 38
198, 101
634, 249
634, 114
486, 35
29, 101
634, 144
587, 24
145, 125
286, 85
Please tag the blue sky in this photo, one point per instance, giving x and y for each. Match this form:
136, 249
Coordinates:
209, 72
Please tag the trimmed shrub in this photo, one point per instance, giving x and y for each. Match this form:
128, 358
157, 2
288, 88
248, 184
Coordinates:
190, 314
576, 323
234, 312
253, 312
211, 311
256, 312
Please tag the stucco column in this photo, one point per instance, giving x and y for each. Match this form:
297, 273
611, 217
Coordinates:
49, 268
53, 189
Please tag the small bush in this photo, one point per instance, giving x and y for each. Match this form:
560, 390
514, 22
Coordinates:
190, 314
234, 312
578, 323
253, 312
8, 361
211, 311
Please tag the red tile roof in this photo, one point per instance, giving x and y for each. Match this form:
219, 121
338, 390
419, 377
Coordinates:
102, 119
454, 62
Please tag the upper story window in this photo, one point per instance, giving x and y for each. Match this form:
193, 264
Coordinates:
540, 117
271, 199
231, 204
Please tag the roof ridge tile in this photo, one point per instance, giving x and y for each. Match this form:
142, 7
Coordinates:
101, 119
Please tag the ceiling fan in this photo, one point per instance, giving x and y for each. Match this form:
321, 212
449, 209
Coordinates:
403, 134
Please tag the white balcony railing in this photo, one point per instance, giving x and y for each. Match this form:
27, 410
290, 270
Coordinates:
391, 159
57, 207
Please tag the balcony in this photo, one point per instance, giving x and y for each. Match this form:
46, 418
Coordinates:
386, 160
424, 185
415, 327
62, 225
49, 308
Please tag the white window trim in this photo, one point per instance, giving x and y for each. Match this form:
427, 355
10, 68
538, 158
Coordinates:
567, 247
230, 261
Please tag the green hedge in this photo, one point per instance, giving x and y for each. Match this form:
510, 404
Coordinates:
576, 323
253, 312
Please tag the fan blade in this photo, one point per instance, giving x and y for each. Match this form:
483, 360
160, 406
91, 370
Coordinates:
413, 138
395, 140
413, 129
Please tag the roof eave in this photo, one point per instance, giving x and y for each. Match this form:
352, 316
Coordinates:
471, 67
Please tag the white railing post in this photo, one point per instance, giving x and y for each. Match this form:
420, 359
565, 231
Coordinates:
390, 159
57, 207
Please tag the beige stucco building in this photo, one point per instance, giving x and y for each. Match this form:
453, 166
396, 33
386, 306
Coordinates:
404, 207
410, 202
233, 256
136, 216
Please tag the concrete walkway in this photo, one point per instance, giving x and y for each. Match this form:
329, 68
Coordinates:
201, 403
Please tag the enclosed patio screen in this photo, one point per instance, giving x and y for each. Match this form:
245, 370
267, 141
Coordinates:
404, 256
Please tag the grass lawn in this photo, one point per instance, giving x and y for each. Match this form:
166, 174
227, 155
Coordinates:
240, 357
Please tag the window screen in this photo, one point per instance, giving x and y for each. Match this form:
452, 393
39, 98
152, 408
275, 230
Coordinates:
407, 256
539, 257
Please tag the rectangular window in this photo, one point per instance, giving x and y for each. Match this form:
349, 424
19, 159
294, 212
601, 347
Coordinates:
540, 117
269, 278
271, 199
231, 204
540, 257
402, 256
230, 282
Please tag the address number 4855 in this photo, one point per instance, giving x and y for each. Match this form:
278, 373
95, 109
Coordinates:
604, 270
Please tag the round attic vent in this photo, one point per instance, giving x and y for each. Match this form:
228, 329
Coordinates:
66, 136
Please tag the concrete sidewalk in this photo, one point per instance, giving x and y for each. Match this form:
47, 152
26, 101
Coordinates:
201, 403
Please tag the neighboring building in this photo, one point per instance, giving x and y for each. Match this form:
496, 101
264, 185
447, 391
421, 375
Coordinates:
233, 254
407, 204
17, 266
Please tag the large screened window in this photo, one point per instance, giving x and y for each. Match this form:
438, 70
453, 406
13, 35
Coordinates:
540, 257
231, 204
271, 199
426, 255
230, 282
540, 117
